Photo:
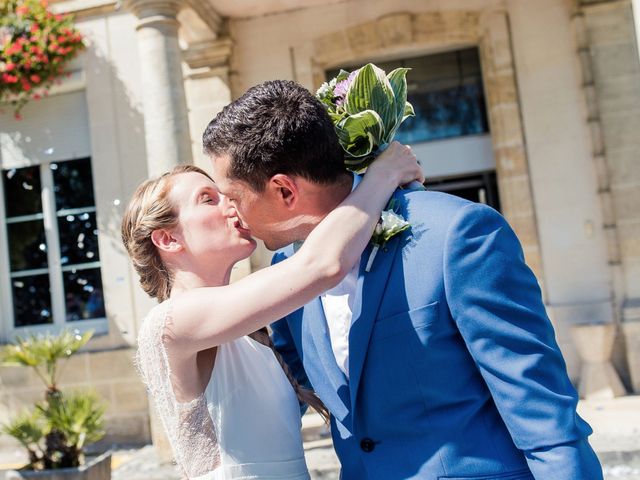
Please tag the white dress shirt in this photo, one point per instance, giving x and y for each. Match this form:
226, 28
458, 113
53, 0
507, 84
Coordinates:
338, 310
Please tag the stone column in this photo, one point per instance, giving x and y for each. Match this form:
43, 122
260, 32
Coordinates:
165, 107
636, 20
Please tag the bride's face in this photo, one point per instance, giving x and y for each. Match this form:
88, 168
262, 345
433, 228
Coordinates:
208, 225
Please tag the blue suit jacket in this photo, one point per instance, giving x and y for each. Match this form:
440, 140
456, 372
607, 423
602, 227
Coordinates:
454, 369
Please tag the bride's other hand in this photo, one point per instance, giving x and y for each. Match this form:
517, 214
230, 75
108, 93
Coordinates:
398, 163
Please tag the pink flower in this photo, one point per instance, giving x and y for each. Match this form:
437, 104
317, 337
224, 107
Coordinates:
340, 90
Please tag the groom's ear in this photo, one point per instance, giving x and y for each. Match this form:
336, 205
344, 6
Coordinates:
285, 190
165, 241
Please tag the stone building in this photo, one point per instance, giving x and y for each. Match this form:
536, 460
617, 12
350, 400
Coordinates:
530, 106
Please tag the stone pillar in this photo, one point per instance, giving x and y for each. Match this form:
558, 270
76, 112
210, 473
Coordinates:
636, 20
165, 107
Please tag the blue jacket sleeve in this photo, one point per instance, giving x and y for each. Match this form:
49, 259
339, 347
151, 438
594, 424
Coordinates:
285, 346
497, 305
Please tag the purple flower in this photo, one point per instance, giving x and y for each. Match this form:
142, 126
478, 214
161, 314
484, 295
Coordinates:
340, 90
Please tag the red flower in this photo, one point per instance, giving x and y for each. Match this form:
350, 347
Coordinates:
6, 78
35, 28
9, 67
35, 78
58, 17
17, 116
22, 10
62, 39
13, 49
26, 86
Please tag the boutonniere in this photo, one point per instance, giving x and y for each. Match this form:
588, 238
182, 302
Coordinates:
389, 225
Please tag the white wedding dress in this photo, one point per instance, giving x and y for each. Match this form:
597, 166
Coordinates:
246, 425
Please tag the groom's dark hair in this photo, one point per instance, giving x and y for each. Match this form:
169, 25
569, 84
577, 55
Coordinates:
276, 127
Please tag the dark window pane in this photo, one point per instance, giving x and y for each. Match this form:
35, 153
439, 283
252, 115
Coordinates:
31, 300
481, 188
83, 294
78, 238
27, 245
453, 112
22, 191
73, 184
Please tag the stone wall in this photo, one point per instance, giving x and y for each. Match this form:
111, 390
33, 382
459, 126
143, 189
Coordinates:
110, 374
537, 112
616, 76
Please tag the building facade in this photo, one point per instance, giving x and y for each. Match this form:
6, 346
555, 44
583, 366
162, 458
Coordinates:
531, 107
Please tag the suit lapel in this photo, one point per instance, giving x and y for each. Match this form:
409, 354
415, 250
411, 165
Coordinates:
369, 291
320, 362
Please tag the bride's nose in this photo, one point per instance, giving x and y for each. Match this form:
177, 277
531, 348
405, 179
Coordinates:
227, 208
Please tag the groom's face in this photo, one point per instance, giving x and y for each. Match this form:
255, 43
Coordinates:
260, 212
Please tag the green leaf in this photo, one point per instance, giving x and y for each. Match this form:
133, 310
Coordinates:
408, 112
371, 90
27, 428
360, 133
398, 81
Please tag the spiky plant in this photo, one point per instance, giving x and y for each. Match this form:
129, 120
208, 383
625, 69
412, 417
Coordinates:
59, 428
28, 428
75, 420
43, 353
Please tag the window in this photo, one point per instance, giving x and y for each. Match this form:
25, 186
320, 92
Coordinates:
481, 188
52, 239
447, 95
450, 131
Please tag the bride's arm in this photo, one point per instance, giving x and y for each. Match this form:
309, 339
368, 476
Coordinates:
206, 317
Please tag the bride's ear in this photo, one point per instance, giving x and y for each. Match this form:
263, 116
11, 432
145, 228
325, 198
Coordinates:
165, 241
285, 189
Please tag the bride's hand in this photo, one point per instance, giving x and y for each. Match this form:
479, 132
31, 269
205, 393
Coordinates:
398, 163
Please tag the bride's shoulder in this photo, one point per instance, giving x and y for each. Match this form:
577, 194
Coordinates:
154, 321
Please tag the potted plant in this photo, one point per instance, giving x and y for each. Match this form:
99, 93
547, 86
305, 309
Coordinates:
35, 46
57, 429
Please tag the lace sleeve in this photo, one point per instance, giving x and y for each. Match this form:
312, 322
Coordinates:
188, 426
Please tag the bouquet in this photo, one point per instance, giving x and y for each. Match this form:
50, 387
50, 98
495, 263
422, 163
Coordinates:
35, 46
367, 107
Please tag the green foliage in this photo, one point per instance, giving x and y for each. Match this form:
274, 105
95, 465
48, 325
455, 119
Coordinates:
79, 415
27, 427
43, 353
367, 107
58, 428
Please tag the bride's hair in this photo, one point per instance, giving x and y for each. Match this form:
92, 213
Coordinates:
150, 209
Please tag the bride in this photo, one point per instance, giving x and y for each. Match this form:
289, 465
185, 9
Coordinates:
229, 406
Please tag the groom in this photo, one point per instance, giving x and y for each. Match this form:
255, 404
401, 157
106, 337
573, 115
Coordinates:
438, 363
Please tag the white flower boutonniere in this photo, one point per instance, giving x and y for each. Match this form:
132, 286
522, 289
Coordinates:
390, 225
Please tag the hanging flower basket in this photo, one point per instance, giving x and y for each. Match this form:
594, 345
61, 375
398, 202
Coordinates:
35, 46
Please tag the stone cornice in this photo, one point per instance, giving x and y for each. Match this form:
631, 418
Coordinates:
208, 14
85, 8
208, 54
154, 8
